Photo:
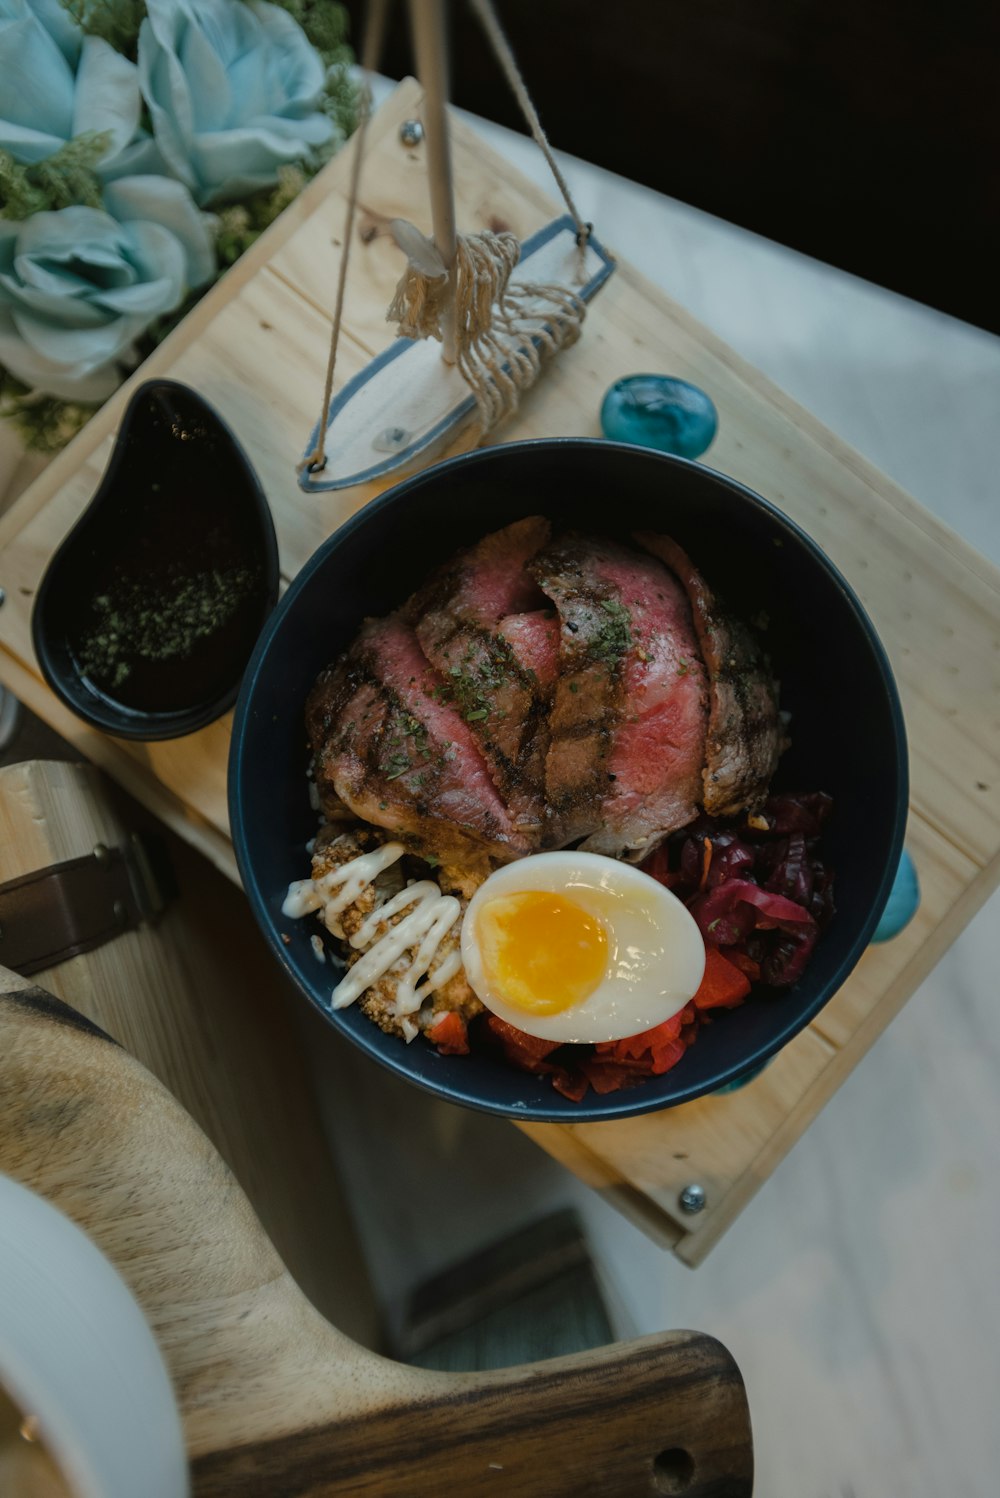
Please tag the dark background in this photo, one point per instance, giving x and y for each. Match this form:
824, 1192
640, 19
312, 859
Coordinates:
865, 134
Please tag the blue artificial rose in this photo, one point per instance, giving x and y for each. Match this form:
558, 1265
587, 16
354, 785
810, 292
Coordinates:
78, 287
56, 19
234, 91
56, 84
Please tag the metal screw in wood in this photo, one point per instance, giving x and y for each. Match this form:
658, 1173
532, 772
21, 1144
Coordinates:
693, 1198
411, 132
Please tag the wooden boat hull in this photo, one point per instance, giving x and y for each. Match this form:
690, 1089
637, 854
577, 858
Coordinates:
407, 404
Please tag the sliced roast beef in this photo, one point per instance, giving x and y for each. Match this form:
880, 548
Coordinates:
388, 744
630, 708
587, 703
658, 749
534, 639
461, 619
744, 731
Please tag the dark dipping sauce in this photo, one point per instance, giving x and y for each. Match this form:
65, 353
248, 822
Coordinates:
170, 582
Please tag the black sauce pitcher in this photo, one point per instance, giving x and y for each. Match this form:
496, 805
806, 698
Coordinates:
150, 609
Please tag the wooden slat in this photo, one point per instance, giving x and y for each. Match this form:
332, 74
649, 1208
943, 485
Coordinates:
274, 1400
256, 348
713, 1141
196, 999
945, 875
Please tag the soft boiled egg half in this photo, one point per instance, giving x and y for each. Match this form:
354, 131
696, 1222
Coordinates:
578, 947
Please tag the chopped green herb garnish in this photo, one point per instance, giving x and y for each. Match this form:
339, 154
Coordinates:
574, 686
487, 667
614, 636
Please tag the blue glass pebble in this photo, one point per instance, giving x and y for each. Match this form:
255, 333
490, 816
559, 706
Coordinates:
741, 1082
651, 410
903, 901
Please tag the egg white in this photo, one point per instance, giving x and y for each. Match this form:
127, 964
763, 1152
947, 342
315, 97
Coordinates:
656, 954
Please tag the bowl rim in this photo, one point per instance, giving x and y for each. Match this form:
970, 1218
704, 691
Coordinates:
135, 724
629, 1101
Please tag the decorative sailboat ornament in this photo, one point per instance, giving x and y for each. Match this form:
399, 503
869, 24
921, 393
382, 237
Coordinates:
479, 315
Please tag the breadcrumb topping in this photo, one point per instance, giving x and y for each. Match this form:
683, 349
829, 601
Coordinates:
333, 848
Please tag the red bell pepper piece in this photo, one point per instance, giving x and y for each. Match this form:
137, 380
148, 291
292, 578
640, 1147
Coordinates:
450, 1035
633, 1047
571, 1084
531, 1046
745, 963
723, 986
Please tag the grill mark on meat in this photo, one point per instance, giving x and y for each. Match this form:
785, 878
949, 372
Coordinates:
627, 727
458, 617
388, 746
658, 750
534, 639
744, 737
587, 703
631, 707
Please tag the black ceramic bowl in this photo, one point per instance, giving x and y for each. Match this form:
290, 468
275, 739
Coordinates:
178, 493
847, 730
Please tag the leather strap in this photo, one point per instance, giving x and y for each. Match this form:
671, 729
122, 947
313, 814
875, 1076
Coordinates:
56, 913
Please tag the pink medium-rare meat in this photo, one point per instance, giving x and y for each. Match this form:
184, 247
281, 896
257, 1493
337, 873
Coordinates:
459, 617
744, 737
630, 707
387, 744
489, 580
658, 749
586, 704
534, 639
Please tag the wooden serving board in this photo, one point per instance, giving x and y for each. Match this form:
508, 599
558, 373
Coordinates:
275, 1400
183, 994
256, 348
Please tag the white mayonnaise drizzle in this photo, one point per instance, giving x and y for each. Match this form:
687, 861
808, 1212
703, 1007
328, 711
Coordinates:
340, 887
423, 928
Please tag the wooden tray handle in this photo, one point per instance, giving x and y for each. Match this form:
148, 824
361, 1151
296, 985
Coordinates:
197, 999
274, 1399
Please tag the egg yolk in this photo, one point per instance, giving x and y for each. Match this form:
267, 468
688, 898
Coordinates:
541, 952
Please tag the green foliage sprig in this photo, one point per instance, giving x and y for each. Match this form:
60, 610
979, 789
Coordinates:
62, 179
68, 177
44, 423
116, 22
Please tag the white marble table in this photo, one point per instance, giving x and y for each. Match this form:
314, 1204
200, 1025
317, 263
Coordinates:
858, 1289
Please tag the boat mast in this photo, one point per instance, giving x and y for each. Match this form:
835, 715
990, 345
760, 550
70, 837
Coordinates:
430, 51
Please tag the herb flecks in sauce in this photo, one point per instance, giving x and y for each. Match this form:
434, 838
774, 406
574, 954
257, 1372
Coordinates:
135, 622
175, 566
